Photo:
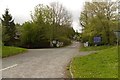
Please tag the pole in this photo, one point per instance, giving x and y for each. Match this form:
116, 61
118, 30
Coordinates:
118, 37
118, 55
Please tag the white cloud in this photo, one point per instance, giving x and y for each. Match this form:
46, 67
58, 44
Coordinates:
20, 9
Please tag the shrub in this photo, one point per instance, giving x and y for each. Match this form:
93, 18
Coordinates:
66, 41
34, 36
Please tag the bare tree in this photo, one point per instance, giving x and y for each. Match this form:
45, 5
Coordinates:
60, 15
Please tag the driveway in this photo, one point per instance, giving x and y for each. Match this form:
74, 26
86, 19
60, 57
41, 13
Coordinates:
40, 63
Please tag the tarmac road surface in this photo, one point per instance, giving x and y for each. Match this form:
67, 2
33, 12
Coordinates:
40, 63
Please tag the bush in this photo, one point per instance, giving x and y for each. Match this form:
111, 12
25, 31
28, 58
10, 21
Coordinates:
34, 36
66, 41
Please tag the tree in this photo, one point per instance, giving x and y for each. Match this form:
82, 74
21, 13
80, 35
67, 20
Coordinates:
52, 16
60, 18
54, 19
42, 18
60, 15
99, 19
8, 28
47, 25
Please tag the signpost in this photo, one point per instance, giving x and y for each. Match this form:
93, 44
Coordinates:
97, 40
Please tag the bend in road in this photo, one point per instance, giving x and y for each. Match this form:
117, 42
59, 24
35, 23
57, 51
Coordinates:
40, 63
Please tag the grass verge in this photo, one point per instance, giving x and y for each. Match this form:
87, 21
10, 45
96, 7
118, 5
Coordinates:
10, 51
94, 48
103, 64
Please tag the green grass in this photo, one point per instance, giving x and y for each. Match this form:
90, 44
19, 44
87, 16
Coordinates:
103, 64
10, 51
94, 48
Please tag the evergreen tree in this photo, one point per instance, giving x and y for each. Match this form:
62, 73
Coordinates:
8, 28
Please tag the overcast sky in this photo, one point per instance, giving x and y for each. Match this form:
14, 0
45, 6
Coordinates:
21, 9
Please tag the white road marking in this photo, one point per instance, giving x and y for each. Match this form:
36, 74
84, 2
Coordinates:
8, 67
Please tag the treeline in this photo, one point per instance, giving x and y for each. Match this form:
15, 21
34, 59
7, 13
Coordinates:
99, 19
49, 22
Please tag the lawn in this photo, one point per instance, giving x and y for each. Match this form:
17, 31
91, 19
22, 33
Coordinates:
94, 48
9, 51
102, 64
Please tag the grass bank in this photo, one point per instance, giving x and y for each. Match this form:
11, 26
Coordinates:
94, 48
102, 64
10, 51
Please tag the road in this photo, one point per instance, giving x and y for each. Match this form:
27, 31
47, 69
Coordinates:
40, 63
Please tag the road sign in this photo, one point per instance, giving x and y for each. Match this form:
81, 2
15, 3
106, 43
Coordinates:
97, 39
